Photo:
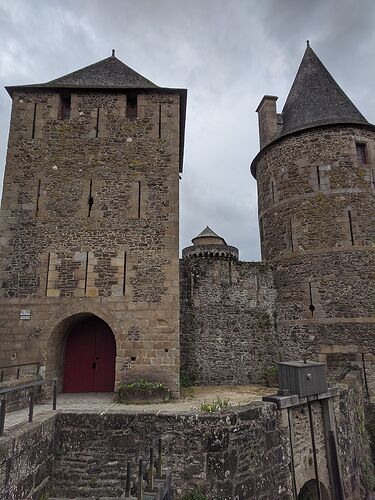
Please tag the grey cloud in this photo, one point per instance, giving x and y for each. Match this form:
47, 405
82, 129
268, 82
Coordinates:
227, 53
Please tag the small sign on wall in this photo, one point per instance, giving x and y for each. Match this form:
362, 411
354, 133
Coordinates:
25, 314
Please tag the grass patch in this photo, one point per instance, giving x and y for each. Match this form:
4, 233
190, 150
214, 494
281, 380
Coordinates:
217, 404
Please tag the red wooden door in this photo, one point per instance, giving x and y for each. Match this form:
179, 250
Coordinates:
90, 358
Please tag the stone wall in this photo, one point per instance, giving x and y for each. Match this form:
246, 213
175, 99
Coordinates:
244, 452
240, 453
26, 460
227, 320
316, 206
90, 227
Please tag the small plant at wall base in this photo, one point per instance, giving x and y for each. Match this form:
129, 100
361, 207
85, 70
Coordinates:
217, 404
196, 494
271, 376
186, 379
143, 391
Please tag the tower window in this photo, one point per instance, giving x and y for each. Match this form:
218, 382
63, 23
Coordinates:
131, 106
361, 153
65, 102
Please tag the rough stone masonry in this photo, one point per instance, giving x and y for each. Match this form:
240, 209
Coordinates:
90, 219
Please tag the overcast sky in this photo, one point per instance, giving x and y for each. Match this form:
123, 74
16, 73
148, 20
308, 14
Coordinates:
227, 53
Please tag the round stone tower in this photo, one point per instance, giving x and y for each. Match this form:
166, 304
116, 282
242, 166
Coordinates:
316, 185
210, 244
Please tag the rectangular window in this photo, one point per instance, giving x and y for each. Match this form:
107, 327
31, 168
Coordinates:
65, 101
361, 153
131, 106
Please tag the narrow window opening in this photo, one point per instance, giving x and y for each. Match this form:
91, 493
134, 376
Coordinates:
65, 103
291, 235
139, 199
273, 191
373, 178
318, 176
124, 276
351, 226
230, 271
159, 121
361, 152
86, 272
34, 121
37, 199
131, 106
90, 200
47, 276
97, 123
311, 306
261, 229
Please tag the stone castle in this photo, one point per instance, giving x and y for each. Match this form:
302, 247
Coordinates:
90, 236
93, 289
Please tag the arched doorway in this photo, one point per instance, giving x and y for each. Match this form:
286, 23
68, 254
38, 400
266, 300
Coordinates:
90, 354
309, 491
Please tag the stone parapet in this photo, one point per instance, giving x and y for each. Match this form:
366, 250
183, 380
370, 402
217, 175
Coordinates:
211, 251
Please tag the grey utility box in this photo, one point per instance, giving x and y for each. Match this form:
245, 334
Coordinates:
304, 379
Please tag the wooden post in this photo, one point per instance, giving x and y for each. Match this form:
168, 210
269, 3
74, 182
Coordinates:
159, 461
31, 405
54, 394
127, 485
2, 415
150, 482
140, 481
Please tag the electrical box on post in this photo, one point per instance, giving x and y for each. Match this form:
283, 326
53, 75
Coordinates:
303, 378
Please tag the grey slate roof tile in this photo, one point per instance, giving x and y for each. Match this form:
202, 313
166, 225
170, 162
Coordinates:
315, 98
109, 72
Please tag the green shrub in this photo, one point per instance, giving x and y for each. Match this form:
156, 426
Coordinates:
217, 404
186, 380
271, 371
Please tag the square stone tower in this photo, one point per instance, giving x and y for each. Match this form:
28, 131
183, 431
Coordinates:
89, 221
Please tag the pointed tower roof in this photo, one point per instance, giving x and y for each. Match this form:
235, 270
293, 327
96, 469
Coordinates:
109, 72
208, 244
316, 99
207, 235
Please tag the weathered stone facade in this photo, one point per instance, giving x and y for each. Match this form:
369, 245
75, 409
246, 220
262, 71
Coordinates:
316, 197
227, 320
254, 451
90, 225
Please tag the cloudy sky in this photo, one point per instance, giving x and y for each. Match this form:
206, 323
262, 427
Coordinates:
227, 53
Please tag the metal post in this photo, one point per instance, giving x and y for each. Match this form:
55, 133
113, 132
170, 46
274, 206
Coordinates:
140, 481
127, 485
31, 405
150, 482
2, 415
54, 394
159, 462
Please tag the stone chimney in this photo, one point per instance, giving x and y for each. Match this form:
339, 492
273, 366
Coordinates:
267, 117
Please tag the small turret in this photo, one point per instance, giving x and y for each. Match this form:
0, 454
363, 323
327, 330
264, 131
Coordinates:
210, 244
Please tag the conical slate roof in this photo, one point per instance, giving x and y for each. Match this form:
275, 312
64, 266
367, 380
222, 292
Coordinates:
315, 98
209, 233
109, 72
